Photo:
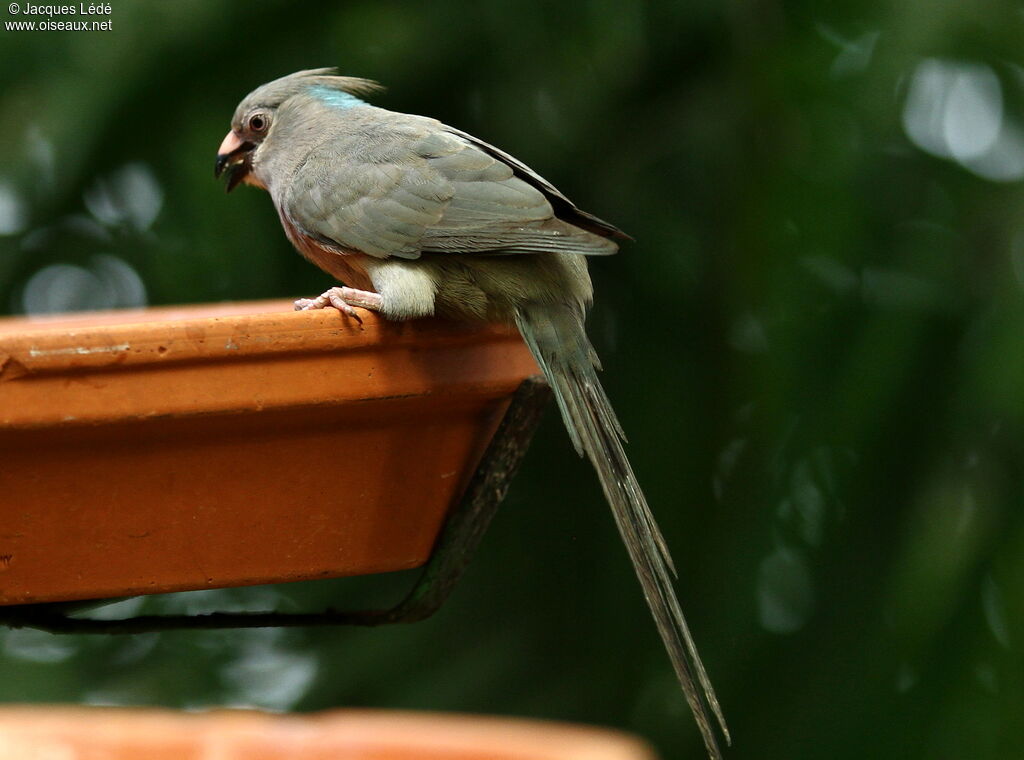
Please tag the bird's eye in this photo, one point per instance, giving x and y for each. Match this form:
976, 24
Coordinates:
257, 122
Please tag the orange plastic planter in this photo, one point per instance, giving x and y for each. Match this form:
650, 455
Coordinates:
197, 447
123, 734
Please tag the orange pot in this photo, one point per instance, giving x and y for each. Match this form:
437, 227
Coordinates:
197, 447
132, 734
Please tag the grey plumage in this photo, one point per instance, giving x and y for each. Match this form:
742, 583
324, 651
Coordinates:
435, 221
399, 185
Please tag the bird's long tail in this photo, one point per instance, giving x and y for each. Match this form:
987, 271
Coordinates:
555, 336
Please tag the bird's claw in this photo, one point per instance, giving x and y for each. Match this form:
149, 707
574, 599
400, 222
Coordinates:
342, 299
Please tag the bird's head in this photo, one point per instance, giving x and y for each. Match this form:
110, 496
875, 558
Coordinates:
255, 117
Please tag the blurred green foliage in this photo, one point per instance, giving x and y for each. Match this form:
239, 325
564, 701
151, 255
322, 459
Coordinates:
815, 344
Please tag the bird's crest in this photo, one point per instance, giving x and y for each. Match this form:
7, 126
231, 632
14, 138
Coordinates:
273, 94
329, 77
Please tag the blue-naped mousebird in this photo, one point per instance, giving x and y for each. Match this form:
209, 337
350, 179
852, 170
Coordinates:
417, 218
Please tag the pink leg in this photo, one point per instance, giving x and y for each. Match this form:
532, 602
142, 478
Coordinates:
342, 299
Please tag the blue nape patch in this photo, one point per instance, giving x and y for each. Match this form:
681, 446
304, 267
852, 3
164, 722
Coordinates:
335, 98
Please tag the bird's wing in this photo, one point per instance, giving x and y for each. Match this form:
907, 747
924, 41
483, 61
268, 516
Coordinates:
368, 191
413, 186
564, 208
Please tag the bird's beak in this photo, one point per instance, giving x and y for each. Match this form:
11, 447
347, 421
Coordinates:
234, 156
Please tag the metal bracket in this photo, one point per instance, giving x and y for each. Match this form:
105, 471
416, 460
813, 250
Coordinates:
455, 546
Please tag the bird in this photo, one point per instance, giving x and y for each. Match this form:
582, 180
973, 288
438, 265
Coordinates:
417, 218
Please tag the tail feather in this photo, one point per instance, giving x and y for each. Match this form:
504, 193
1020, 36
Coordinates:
555, 336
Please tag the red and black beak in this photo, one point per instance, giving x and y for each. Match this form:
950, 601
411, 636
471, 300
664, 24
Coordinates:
235, 157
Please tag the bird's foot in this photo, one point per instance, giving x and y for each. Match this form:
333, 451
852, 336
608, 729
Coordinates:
342, 299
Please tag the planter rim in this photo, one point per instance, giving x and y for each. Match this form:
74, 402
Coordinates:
239, 357
209, 332
349, 732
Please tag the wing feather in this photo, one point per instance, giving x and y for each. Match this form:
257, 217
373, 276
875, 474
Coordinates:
416, 187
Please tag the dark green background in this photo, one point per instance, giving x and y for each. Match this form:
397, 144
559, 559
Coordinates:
815, 345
